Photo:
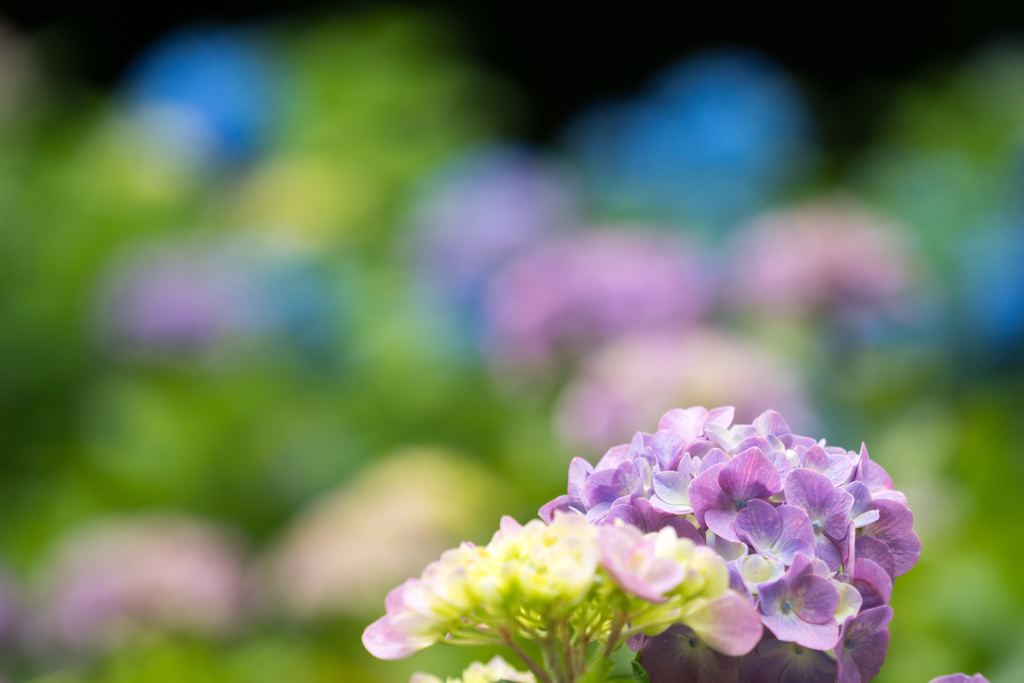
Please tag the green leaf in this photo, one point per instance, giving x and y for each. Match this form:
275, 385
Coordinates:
596, 672
639, 675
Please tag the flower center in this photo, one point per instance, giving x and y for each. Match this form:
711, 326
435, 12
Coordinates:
740, 504
849, 644
787, 606
817, 525
693, 642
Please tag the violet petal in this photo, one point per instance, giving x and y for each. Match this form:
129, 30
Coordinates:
895, 528
750, 475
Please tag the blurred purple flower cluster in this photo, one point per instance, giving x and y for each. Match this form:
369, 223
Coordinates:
814, 536
196, 299
565, 296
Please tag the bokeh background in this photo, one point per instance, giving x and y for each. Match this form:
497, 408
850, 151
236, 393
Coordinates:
291, 301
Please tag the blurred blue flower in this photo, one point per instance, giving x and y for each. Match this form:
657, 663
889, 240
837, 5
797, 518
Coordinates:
989, 274
208, 92
713, 139
473, 215
299, 302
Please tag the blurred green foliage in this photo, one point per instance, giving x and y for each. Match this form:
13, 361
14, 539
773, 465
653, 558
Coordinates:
251, 431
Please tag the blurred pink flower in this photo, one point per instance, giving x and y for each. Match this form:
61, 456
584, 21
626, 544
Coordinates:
833, 257
113, 578
568, 295
632, 381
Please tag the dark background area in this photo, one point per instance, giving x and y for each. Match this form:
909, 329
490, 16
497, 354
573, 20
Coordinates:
564, 56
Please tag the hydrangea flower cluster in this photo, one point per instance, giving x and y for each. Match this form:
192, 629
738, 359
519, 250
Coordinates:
577, 590
813, 535
566, 295
494, 671
112, 579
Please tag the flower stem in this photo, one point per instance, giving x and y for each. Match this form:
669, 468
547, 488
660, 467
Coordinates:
541, 675
553, 658
613, 637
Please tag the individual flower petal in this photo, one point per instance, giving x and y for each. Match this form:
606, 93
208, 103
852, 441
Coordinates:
862, 644
862, 513
614, 456
561, 504
608, 485
384, 641
706, 493
870, 548
712, 457
666, 447
727, 550
579, 471
679, 654
960, 678
777, 661
872, 582
688, 423
876, 478
850, 601
718, 497
770, 423
779, 532
750, 475
838, 467
671, 492
895, 528
799, 607
757, 569
643, 515
828, 507
730, 624
630, 558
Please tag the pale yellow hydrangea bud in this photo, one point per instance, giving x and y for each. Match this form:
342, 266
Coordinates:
538, 566
495, 670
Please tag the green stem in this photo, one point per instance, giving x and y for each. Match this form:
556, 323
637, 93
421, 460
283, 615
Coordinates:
568, 650
541, 675
552, 657
613, 637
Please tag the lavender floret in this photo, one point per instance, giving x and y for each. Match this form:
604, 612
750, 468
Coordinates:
863, 641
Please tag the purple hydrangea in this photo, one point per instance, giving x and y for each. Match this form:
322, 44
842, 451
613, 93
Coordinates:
208, 298
566, 296
484, 206
171, 299
814, 535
